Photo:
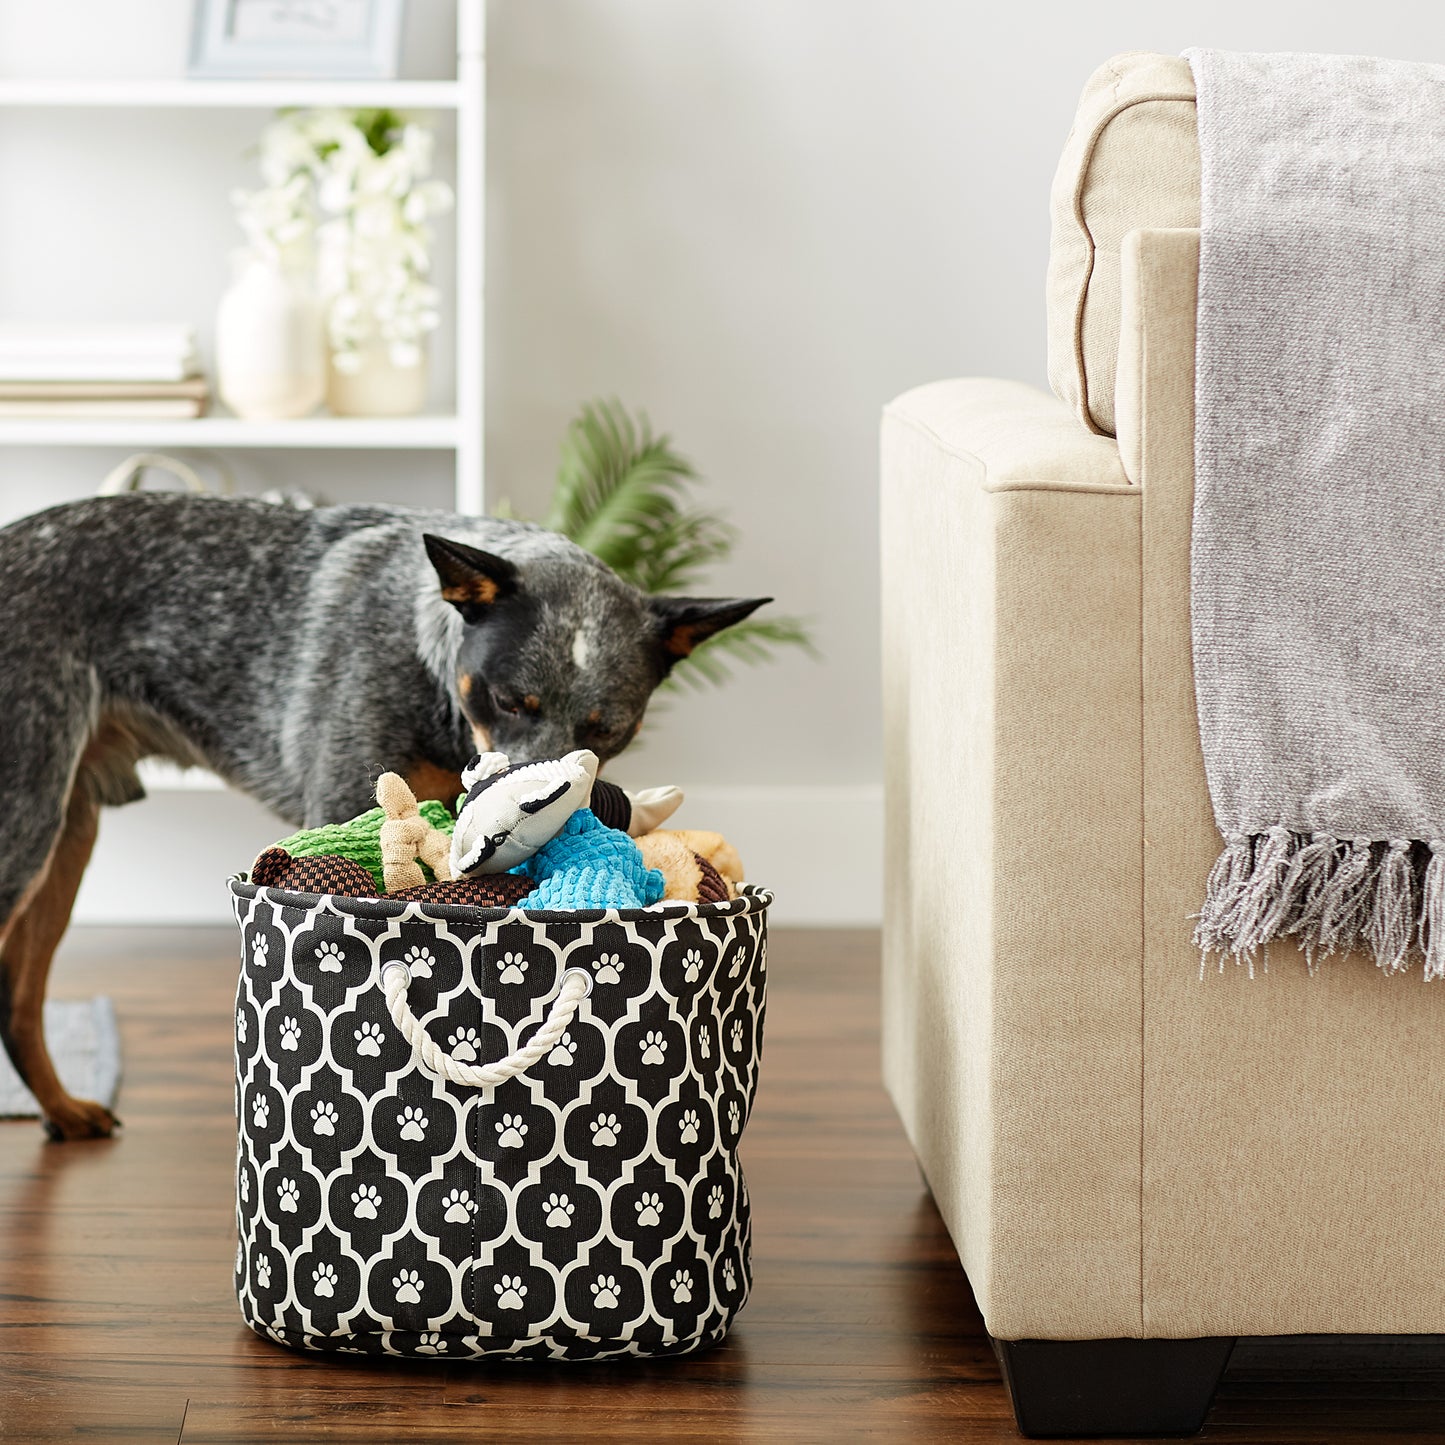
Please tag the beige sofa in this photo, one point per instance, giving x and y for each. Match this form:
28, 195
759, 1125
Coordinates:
1127, 1151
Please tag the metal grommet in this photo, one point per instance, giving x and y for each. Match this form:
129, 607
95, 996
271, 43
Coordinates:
583, 975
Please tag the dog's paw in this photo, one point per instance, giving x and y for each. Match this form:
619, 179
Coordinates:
69, 1119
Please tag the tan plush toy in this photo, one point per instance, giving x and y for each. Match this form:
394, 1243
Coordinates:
407, 836
698, 867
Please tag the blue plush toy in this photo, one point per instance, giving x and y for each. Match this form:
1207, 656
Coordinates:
588, 865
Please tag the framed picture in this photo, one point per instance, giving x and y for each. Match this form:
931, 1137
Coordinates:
296, 39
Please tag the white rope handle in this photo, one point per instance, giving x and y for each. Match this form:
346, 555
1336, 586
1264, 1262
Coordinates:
396, 979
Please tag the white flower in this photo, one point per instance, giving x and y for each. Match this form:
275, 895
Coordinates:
366, 214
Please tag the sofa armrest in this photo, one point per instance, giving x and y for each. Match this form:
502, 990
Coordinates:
1012, 926
1009, 434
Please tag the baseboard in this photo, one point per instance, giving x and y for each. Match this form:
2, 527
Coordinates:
819, 848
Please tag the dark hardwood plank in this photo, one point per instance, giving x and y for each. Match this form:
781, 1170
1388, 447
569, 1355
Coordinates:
117, 1319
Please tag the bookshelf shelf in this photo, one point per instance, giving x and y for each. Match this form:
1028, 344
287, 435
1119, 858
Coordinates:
427, 433
231, 94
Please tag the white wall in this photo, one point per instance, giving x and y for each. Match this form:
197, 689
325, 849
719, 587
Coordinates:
759, 220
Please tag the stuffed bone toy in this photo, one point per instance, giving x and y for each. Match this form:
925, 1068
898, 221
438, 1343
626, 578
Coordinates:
509, 812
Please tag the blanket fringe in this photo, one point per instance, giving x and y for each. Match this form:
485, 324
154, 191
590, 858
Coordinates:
1331, 895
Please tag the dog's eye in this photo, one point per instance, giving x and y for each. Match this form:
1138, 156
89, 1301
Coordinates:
528, 705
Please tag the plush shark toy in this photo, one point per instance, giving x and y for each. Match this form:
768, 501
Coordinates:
509, 812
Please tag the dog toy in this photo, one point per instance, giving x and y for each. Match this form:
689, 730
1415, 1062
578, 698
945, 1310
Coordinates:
688, 875
510, 810
328, 873
360, 839
589, 865
407, 837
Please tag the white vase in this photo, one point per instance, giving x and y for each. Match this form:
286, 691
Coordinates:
270, 342
379, 388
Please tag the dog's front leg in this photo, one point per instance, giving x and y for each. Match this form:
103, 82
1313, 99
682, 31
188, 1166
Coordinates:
30, 941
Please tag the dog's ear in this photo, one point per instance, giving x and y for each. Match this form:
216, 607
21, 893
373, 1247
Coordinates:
683, 622
472, 581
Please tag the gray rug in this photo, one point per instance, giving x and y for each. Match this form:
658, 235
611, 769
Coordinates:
85, 1045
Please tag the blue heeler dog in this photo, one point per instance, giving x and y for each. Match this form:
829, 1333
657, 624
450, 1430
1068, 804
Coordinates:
298, 655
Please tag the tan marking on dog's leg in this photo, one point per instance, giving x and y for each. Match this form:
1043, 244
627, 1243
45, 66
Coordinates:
35, 930
482, 738
427, 780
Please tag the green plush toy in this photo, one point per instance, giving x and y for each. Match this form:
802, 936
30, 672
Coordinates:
360, 839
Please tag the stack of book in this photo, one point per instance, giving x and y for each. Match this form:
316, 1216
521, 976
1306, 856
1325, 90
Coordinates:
100, 371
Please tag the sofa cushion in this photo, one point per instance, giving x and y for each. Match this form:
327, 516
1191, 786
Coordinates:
1131, 161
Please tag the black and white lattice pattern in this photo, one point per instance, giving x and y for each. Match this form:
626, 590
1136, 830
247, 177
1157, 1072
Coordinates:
591, 1207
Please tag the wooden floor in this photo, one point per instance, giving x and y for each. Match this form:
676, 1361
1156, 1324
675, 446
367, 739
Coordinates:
117, 1320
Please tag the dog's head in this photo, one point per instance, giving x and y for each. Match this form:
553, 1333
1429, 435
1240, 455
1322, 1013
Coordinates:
564, 654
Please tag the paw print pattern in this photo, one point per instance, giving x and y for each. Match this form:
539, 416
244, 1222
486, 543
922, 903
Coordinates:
511, 1131
431, 1343
418, 962
323, 1278
740, 957
604, 1292
413, 1123
459, 1207
737, 1035
368, 1039
263, 1271
290, 1033
692, 965
704, 1044
241, 1026
323, 1118
245, 1187
407, 1285
365, 1201
715, 1202
287, 1193
260, 1111
608, 968
564, 1051
682, 1288
329, 958
514, 968
259, 949
510, 1292
560, 1210
649, 1211
735, 1116
464, 1044
690, 1125
730, 1279
654, 1048
604, 1130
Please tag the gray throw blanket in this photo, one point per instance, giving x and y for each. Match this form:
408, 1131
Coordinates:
1318, 569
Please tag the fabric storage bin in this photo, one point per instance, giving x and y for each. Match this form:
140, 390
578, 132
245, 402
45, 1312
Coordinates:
580, 1198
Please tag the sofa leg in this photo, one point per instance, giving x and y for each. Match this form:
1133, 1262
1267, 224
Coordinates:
1111, 1387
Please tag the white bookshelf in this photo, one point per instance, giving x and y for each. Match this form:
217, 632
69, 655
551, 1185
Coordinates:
459, 431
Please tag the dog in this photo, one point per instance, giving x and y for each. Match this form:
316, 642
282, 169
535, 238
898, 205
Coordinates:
298, 654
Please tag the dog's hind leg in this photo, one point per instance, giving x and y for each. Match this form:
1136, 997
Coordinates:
35, 929
59, 760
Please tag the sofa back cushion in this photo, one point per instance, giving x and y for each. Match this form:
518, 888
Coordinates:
1131, 161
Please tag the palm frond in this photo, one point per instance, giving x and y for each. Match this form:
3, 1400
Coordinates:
623, 493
